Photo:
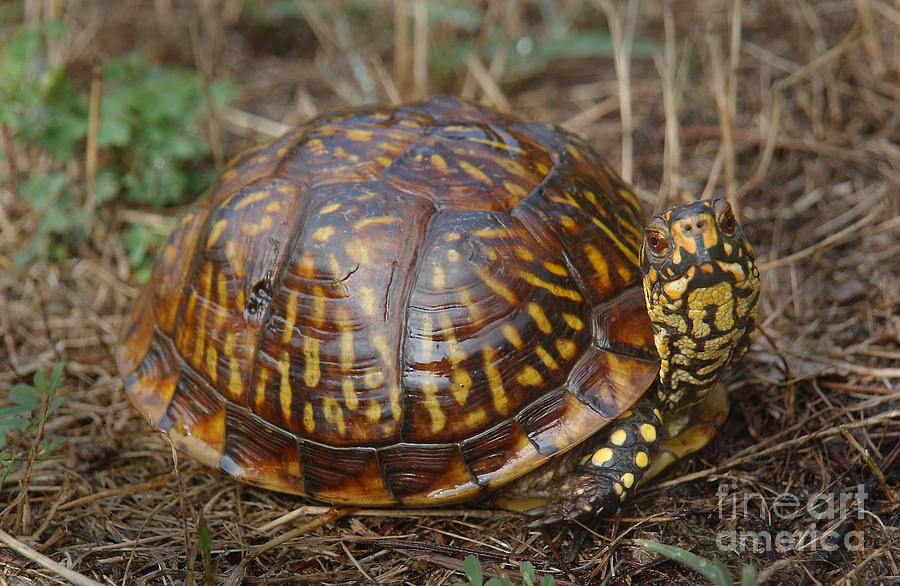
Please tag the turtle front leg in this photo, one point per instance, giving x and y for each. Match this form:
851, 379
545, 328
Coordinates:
638, 445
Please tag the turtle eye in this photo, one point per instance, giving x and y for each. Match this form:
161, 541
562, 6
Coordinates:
657, 242
728, 223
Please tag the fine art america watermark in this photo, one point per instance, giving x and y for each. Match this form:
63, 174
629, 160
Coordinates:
822, 519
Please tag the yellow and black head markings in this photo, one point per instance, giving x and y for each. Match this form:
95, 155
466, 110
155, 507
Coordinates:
417, 305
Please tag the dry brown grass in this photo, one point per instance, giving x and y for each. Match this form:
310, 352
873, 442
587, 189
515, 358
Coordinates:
791, 109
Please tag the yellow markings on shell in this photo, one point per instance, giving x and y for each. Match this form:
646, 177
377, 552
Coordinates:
373, 379
512, 334
515, 189
384, 351
491, 253
285, 395
169, 254
251, 199
556, 269
438, 162
384, 161
311, 372
318, 313
367, 300
628, 479
529, 377
214, 233
359, 135
211, 359
523, 253
602, 456
490, 233
373, 412
641, 459
351, 399
438, 278
542, 168
347, 354
452, 236
618, 437
357, 251
235, 386
333, 413
474, 172
546, 358
273, 207
496, 286
495, 381
453, 352
306, 266
462, 384
259, 394
475, 312
453, 255
290, 318
475, 417
316, 146
539, 317
573, 321
309, 420
328, 208
568, 223
566, 348
254, 228
623, 248
340, 153
599, 264
222, 293
435, 413
205, 287
364, 223
323, 233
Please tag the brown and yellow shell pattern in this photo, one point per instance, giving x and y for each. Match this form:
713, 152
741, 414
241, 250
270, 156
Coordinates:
405, 305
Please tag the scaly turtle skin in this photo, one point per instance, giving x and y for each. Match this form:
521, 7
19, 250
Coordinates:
416, 305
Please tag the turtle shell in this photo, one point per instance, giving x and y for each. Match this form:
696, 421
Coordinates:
405, 305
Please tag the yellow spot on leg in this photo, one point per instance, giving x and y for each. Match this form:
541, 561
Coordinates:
641, 459
648, 432
628, 479
602, 457
618, 437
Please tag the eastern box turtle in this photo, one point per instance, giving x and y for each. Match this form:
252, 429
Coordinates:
415, 305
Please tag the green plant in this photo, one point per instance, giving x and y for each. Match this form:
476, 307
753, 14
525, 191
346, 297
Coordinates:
31, 403
475, 576
152, 149
714, 571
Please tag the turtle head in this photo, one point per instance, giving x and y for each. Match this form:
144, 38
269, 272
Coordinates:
701, 286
